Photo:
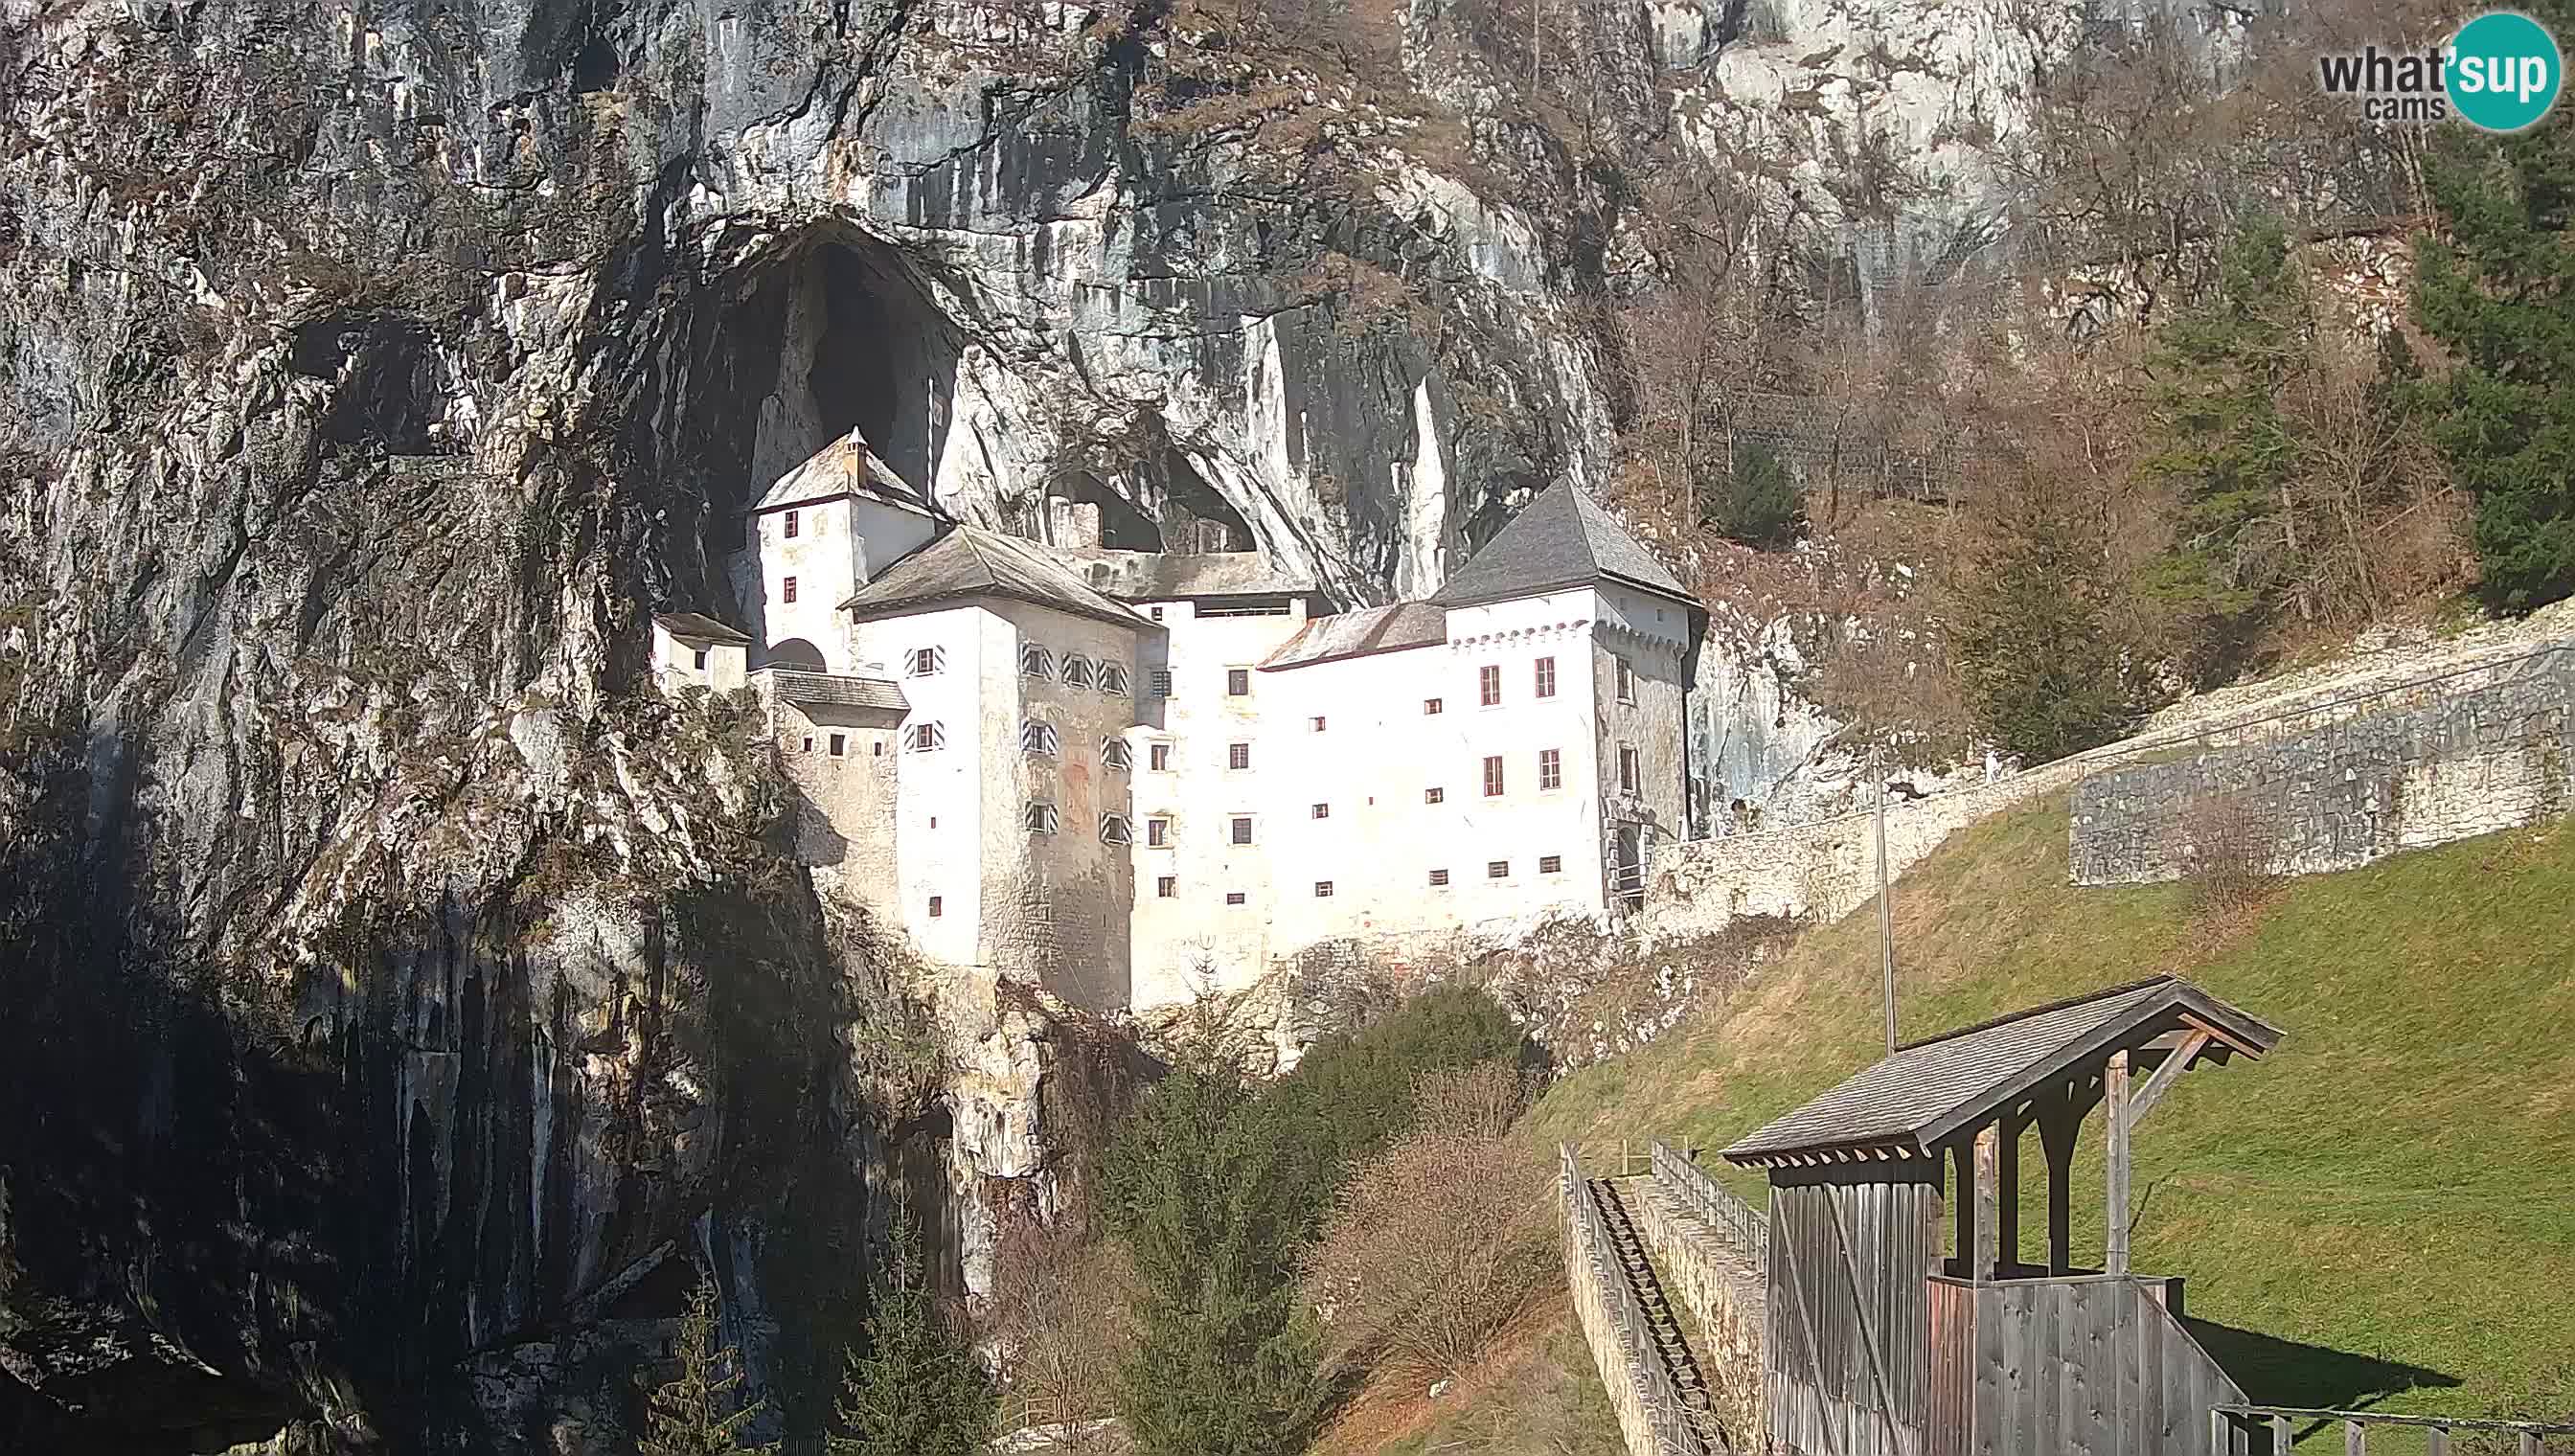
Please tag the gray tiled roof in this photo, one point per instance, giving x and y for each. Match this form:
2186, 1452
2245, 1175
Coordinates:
838, 691
1927, 1091
1357, 634
699, 626
1147, 575
1558, 540
847, 466
967, 562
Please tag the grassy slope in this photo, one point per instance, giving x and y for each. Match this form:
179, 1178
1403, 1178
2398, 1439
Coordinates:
2387, 1200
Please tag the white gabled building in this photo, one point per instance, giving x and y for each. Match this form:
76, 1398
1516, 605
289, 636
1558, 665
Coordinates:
1131, 776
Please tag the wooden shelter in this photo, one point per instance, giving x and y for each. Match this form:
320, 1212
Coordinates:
1878, 1343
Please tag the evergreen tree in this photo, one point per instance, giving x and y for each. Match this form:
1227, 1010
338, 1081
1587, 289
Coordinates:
2225, 444
1756, 503
691, 1415
919, 1390
1210, 1186
2042, 669
2497, 288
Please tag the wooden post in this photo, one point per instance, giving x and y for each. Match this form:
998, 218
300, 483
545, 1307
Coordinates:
2436, 1442
2530, 1443
2057, 1126
2355, 1439
1965, 1167
2220, 1429
2007, 1198
2114, 1097
2279, 1436
1988, 1250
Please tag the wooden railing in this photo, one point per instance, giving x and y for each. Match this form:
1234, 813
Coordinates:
1674, 1432
1717, 1206
2231, 1429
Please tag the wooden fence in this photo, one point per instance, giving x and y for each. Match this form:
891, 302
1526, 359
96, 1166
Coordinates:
1673, 1433
2241, 1430
2093, 1363
1682, 1177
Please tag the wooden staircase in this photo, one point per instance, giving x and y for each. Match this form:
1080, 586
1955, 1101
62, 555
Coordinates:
1670, 1346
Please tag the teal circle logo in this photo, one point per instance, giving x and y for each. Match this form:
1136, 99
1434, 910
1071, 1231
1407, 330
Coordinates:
2503, 71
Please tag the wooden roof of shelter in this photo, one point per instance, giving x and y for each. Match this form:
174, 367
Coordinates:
1925, 1093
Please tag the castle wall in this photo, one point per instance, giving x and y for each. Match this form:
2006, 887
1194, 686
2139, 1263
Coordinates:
823, 558
941, 794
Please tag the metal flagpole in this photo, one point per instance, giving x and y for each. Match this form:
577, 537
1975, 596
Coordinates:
1885, 919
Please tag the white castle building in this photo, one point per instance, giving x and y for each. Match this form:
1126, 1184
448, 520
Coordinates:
1129, 775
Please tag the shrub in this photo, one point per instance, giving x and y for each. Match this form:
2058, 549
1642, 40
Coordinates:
1755, 503
1437, 1241
1350, 1092
2233, 838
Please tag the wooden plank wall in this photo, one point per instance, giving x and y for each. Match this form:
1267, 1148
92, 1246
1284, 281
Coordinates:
2082, 1367
1846, 1354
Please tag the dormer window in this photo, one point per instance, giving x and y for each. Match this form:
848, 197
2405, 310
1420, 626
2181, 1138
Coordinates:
1036, 661
1040, 738
1077, 671
925, 661
1116, 753
790, 525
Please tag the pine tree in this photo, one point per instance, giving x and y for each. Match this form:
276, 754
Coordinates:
2497, 288
2225, 445
690, 1414
919, 1390
1210, 1187
2041, 667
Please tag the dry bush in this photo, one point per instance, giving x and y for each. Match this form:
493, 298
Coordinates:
2232, 840
1439, 1239
1060, 1300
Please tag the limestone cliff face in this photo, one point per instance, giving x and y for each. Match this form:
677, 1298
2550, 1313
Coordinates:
392, 985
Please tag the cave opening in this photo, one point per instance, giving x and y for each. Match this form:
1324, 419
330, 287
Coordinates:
386, 379
860, 345
1195, 515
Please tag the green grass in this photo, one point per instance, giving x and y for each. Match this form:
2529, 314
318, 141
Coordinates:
2383, 1206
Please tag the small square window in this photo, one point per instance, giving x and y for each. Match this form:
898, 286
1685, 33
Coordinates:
1433, 795
1430, 706
1238, 756
1488, 686
1319, 722
840, 744
1242, 830
1233, 896
1040, 818
1440, 878
790, 525
1494, 776
925, 661
1497, 868
787, 590
698, 660
1322, 889
1546, 676
1115, 829
1238, 681
1551, 865
1166, 886
1551, 768
1161, 758
1162, 681
1157, 833
1158, 613
880, 747
1323, 811
808, 742
936, 907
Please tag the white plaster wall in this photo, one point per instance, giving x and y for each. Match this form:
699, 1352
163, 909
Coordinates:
1174, 938
1527, 824
675, 664
939, 801
823, 560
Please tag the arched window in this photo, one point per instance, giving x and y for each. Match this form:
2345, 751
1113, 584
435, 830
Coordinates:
1040, 738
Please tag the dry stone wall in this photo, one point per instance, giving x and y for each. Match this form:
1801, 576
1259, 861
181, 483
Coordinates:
2335, 789
1718, 1284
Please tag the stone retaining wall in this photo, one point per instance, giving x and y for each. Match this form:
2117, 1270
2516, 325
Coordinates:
1706, 1272
1627, 1386
2438, 762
